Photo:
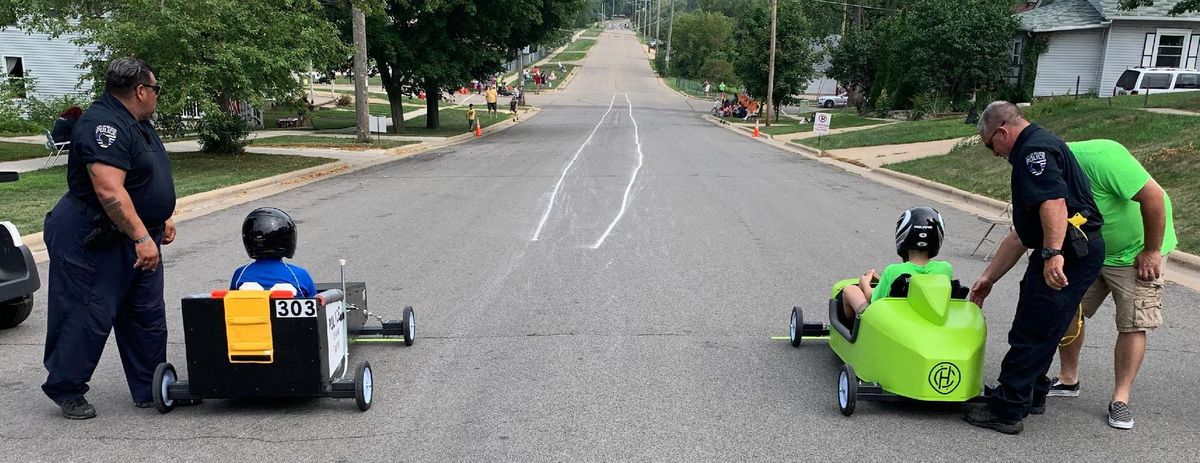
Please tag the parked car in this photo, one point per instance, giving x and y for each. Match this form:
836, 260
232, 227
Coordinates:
829, 101
1157, 80
654, 43
18, 273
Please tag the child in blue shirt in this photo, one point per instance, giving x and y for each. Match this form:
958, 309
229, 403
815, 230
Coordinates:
269, 235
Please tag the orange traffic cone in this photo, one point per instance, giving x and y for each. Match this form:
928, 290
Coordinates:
478, 129
756, 128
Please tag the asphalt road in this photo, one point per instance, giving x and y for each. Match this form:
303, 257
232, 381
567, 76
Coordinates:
637, 336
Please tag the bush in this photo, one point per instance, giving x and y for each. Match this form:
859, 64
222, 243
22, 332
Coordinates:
344, 101
718, 70
223, 133
45, 112
927, 104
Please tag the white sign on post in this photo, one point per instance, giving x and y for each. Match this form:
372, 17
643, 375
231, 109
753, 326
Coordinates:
821, 123
378, 124
335, 335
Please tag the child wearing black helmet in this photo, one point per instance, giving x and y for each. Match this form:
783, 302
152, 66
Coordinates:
919, 235
270, 236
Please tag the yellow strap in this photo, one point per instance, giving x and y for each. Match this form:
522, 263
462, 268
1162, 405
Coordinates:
1070, 338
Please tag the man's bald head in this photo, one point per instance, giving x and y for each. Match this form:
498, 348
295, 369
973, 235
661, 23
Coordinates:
999, 113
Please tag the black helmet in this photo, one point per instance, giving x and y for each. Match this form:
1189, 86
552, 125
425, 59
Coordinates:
269, 233
920, 228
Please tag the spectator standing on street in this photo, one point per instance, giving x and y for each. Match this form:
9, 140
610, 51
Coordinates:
491, 96
103, 238
1138, 232
512, 106
471, 117
707, 88
1054, 213
721, 87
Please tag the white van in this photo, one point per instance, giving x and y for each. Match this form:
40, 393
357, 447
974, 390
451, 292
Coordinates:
1157, 80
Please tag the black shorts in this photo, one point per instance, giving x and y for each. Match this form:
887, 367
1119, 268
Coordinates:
491, 106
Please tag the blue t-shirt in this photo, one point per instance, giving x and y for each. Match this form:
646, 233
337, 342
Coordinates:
269, 272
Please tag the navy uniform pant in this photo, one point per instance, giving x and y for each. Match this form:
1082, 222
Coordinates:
93, 292
1042, 318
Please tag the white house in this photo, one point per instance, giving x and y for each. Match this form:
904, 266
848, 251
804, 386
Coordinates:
1092, 42
54, 63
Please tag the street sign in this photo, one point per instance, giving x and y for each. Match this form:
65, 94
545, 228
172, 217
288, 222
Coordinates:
821, 123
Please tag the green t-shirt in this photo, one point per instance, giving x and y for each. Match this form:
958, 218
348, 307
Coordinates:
1116, 177
934, 267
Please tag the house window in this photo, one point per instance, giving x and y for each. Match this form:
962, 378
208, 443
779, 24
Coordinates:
1014, 62
1015, 59
14, 72
1170, 47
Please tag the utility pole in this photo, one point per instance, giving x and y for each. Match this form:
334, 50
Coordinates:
771, 66
670, 28
658, 21
361, 104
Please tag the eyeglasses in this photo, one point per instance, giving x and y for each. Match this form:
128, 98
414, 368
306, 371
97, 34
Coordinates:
988, 143
157, 88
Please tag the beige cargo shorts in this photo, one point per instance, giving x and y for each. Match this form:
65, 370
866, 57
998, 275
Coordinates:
1139, 303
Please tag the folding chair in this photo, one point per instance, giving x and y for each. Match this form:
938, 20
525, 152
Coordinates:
1005, 220
56, 149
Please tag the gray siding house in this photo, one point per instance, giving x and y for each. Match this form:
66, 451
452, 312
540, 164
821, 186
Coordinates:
1092, 42
53, 62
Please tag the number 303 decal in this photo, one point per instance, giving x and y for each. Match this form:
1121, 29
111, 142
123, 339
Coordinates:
296, 308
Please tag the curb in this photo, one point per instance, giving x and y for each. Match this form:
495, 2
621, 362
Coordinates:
1183, 259
201, 204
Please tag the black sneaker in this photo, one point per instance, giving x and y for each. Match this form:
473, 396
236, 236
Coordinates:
1038, 407
983, 417
1119, 415
1058, 389
77, 409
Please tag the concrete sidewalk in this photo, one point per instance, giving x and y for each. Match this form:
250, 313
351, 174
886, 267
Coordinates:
877, 156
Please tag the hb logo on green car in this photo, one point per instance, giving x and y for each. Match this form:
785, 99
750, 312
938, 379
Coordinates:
944, 377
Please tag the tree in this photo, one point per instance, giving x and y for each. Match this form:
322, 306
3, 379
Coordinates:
440, 45
212, 53
945, 48
1181, 7
852, 62
794, 53
697, 37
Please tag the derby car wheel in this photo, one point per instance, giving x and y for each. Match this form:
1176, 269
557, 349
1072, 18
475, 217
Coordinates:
796, 327
847, 390
15, 311
409, 326
164, 377
364, 386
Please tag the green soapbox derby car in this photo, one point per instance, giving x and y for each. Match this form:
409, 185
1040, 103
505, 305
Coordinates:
924, 341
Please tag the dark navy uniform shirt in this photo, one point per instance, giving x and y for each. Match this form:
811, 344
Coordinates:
107, 133
1043, 168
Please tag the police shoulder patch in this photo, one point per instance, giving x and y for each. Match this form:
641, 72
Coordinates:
1036, 162
105, 135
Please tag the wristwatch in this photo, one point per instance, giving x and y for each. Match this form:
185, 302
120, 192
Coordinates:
1050, 252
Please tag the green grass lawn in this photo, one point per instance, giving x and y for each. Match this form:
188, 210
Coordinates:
569, 56
904, 132
1167, 145
376, 81
26, 201
1189, 101
581, 45
10, 151
839, 121
308, 141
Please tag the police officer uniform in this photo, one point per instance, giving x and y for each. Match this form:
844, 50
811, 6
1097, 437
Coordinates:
93, 285
1043, 168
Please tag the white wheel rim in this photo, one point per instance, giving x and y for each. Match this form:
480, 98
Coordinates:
412, 326
792, 325
843, 389
168, 380
368, 385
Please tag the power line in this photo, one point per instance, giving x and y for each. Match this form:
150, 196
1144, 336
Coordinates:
831, 2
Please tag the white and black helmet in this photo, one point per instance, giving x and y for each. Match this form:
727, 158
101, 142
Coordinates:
920, 228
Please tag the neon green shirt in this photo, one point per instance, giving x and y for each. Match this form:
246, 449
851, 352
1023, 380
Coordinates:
1116, 177
934, 267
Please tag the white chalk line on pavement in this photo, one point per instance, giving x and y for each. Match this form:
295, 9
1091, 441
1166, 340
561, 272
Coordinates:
557, 186
633, 178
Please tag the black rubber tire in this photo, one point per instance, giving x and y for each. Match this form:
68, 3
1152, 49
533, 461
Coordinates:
364, 386
828, 103
408, 326
851, 384
164, 376
796, 327
15, 311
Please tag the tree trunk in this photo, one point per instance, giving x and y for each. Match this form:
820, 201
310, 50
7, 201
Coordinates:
395, 94
433, 96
